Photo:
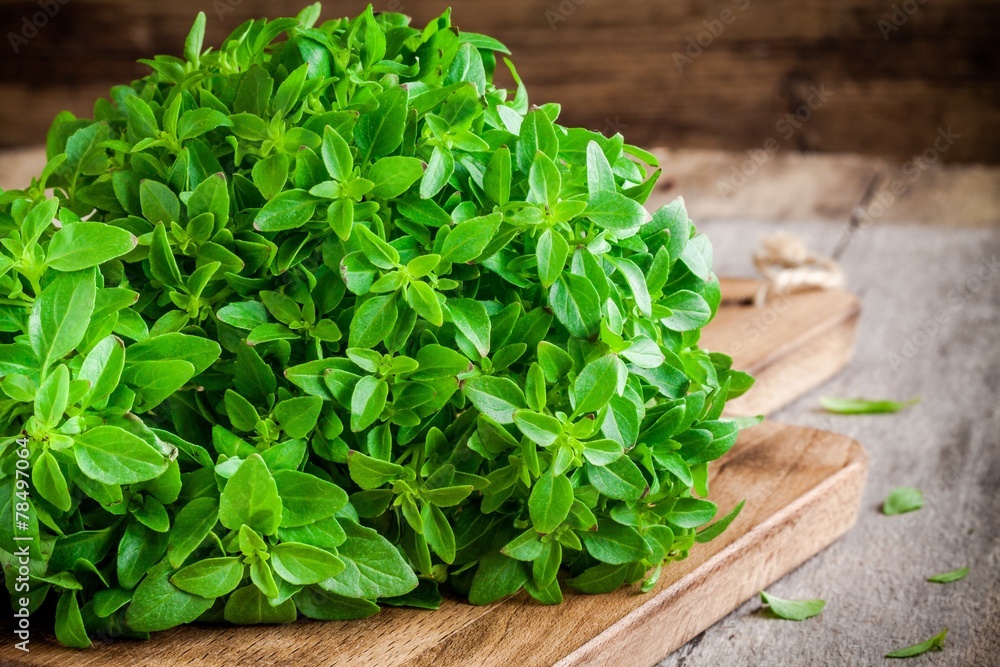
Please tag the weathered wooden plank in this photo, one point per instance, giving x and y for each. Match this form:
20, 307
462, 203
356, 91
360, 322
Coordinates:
802, 489
613, 65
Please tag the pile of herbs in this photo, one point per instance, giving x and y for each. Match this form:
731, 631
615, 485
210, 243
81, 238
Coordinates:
323, 319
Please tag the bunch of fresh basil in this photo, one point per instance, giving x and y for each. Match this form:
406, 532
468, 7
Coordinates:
323, 319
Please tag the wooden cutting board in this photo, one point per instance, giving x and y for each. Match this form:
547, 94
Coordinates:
791, 344
802, 489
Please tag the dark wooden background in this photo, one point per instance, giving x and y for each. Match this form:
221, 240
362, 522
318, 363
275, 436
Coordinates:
610, 63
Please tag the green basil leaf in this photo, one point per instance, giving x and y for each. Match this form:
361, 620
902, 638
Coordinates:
112, 455
467, 240
393, 176
209, 578
792, 610
306, 499
82, 245
495, 397
60, 315
903, 499
549, 503
191, 526
949, 577
304, 564
251, 498
935, 643
615, 544
860, 406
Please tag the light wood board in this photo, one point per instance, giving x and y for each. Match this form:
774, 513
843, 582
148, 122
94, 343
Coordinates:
802, 489
790, 344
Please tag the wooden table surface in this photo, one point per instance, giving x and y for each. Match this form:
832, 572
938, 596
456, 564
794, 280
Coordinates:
927, 271
930, 328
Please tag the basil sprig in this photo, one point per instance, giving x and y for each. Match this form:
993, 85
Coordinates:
322, 318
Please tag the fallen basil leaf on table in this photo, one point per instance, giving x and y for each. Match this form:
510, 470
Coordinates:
949, 577
792, 610
861, 406
903, 499
322, 319
935, 643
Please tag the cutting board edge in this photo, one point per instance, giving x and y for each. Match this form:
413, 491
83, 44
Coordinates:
771, 392
637, 627
848, 317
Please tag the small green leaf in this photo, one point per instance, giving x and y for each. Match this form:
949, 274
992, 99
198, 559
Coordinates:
303, 564
549, 503
616, 212
902, 499
306, 499
112, 455
49, 481
159, 203
576, 305
85, 244
393, 176
69, 623
949, 577
541, 428
367, 402
336, 155
496, 577
158, 605
860, 406
551, 252
935, 643
439, 170
209, 578
792, 610
709, 533
297, 416
251, 498
614, 543
288, 210
495, 397
60, 315
689, 311
472, 321
249, 606
596, 384
467, 240
191, 526
373, 321
498, 176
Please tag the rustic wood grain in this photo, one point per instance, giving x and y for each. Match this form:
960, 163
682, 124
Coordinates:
801, 488
611, 64
791, 344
